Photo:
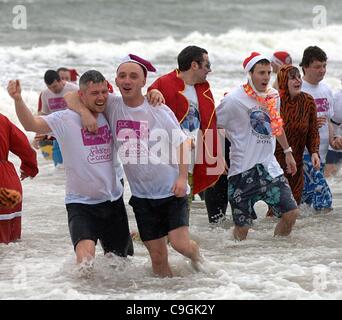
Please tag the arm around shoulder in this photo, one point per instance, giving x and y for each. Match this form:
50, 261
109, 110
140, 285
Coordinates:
74, 103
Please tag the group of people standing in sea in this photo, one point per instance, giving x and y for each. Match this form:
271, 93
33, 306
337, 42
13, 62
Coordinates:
260, 143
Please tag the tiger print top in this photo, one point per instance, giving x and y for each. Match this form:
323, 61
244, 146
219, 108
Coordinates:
300, 121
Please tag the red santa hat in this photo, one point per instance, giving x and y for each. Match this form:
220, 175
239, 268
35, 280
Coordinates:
254, 58
73, 74
281, 57
146, 65
110, 87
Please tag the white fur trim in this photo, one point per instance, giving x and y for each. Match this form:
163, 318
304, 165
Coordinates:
253, 61
10, 216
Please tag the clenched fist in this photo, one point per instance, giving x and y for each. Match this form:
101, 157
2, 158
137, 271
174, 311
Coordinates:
14, 89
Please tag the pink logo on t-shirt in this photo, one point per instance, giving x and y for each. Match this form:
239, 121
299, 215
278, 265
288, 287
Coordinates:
133, 136
57, 104
139, 127
322, 104
103, 136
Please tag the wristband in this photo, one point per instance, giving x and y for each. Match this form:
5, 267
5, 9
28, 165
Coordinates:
289, 149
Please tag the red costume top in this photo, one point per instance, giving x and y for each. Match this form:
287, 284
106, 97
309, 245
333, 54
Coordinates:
14, 140
172, 88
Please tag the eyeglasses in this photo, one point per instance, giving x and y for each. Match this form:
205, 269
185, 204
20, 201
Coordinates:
201, 63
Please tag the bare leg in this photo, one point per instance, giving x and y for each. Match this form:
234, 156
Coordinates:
159, 257
240, 233
85, 255
287, 221
180, 241
330, 169
85, 250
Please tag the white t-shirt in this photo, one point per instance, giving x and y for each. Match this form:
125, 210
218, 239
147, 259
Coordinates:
191, 123
88, 159
52, 102
248, 129
323, 97
118, 166
146, 139
337, 117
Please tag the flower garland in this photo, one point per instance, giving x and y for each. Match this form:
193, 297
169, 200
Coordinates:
270, 103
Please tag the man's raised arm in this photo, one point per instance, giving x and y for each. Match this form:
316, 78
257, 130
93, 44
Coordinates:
25, 116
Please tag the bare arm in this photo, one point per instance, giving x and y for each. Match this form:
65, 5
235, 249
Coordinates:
180, 186
74, 103
334, 140
290, 161
25, 116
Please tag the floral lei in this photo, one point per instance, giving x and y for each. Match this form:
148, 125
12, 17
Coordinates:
270, 103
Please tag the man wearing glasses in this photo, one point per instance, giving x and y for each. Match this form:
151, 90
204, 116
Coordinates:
187, 93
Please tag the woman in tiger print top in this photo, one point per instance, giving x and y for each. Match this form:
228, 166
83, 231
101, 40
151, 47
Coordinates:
299, 114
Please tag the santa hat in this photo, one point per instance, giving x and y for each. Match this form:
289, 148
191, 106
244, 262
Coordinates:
254, 58
146, 65
73, 74
281, 57
110, 87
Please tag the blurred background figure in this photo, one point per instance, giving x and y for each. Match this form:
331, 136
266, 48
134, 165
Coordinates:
278, 59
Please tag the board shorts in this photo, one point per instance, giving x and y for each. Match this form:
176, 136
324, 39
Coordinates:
106, 221
253, 185
316, 192
156, 217
333, 157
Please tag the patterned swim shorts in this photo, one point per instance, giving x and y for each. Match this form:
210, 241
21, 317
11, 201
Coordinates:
253, 185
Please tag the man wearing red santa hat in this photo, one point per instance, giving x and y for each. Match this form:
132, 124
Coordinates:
254, 172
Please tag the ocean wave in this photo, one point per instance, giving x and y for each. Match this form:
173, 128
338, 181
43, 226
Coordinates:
228, 45
227, 51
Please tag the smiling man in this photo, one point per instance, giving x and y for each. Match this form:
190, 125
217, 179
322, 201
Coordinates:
158, 180
254, 172
93, 192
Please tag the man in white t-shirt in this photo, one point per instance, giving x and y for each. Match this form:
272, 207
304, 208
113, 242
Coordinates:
93, 192
316, 191
51, 100
69, 75
147, 138
254, 172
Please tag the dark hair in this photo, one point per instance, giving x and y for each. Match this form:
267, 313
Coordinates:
62, 69
188, 55
91, 76
311, 54
50, 76
262, 61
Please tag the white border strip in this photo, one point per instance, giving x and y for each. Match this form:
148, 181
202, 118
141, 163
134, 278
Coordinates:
10, 216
